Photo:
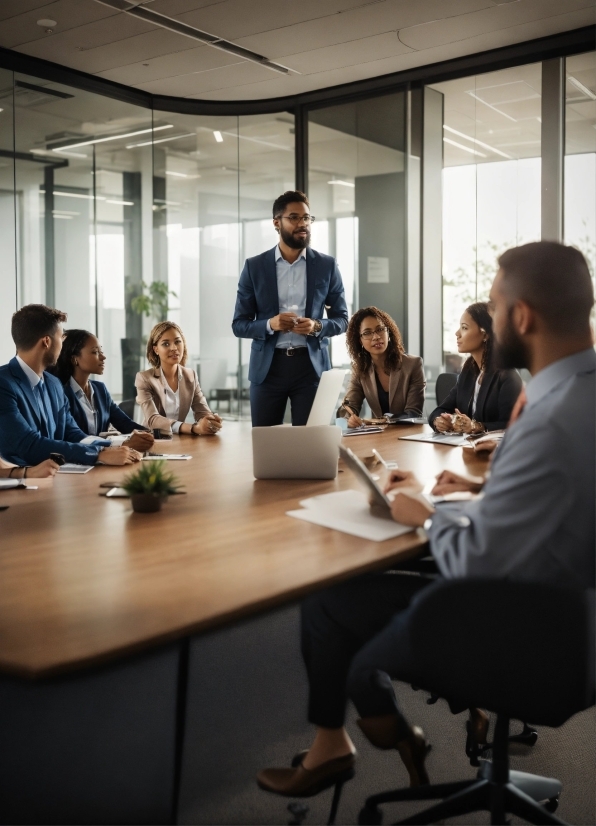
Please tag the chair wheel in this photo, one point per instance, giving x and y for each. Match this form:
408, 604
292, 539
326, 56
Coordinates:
532, 739
552, 804
370, 816
298, 810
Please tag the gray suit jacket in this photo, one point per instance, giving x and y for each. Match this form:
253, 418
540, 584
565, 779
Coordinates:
536, 520
406, 389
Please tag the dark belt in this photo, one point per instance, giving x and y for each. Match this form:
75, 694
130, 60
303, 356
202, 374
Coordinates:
292, 351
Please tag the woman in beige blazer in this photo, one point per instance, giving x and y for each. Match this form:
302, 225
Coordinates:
168, 390
382, 373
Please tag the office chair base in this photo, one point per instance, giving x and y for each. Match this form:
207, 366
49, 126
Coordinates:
474, 751
496, 789
464, 798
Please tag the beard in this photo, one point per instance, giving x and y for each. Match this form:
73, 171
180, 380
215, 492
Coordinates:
510, 352
292, 241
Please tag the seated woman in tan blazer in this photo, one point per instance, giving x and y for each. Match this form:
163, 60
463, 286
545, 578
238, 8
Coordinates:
168, 390
382, 373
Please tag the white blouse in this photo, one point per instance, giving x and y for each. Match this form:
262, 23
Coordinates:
171, 403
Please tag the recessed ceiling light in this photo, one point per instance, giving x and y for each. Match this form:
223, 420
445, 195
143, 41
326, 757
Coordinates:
342, 183
218, 136
584, 89
45, 23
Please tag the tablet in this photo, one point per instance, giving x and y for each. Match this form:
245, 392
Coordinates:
380, 504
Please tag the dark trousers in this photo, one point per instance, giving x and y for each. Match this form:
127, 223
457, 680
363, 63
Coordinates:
354, 640
289, 377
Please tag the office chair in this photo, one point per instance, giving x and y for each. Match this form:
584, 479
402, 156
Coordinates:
521, 650
444, 385
128, 406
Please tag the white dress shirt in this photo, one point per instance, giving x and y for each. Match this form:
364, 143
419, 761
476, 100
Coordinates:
88, 405
291, 289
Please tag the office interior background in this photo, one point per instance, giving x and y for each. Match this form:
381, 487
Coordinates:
416, 184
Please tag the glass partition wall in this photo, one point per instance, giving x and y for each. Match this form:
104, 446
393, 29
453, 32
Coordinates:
491, 183
122, 216
357, 191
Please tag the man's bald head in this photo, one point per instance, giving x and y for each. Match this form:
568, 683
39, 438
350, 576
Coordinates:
552, 279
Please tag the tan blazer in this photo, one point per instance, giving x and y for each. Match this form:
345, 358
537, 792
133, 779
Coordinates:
150, 396
406, 389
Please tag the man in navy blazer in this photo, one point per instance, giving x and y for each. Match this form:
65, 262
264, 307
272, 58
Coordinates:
282, 296
35, 418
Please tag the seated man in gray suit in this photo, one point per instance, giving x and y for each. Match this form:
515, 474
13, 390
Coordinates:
535, 521
35, 418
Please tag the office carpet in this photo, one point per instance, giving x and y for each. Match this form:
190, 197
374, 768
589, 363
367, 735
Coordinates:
257, 720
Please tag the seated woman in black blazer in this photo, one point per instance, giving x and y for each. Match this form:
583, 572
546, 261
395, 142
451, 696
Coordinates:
91, 405
483, 397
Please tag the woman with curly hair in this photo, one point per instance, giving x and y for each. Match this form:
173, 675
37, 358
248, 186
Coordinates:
382, 373
484, 396
168, 391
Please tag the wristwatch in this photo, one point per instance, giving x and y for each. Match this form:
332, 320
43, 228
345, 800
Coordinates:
317, 328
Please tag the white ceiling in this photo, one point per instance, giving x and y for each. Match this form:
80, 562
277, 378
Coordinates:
323, 42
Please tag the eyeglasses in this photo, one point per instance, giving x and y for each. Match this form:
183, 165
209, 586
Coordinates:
297, 219
376, 332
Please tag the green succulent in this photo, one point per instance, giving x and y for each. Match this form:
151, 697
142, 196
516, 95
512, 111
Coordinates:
151, 477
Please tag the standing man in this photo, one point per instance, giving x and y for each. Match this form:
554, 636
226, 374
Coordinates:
282, 294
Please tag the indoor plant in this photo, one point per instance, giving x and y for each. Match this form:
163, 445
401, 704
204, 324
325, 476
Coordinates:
149, 486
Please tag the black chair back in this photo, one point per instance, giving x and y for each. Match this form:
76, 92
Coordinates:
524, 650
128, 406
444, 385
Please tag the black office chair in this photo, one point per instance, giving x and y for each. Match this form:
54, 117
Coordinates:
128, 406
444, 385
522, 650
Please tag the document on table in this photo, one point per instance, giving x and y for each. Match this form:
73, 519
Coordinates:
455, 439
11, 483
348, 511
70, 468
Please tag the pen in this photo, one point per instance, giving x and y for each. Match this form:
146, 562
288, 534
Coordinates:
388, 465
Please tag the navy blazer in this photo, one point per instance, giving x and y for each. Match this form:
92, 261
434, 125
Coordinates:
257, 301
107, 411
498, 393
20, 439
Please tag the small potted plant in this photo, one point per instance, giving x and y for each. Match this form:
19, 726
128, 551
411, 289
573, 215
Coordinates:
149, 486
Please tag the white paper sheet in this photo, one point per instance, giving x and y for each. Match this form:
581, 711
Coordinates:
10, 483
348, 511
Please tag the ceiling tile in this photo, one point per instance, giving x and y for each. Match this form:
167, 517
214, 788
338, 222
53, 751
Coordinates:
147, 47
238, 18
347, 54
171, 66
64, 46
10, 8
197, 83
352, 25
68, 14
454, 29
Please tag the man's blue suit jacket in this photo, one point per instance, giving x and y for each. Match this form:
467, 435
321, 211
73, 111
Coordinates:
21, 441
107, 411
258, 301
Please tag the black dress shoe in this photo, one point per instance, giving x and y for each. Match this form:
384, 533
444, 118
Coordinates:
301, 782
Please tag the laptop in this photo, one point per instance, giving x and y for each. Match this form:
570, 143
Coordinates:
325, 403
287, 452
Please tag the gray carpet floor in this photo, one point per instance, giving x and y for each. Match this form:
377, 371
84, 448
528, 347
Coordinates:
257, 720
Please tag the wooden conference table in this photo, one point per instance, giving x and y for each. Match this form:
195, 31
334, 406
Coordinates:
97, 603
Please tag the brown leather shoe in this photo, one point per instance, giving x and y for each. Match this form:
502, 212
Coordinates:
384, 732
478, 726
301, 782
